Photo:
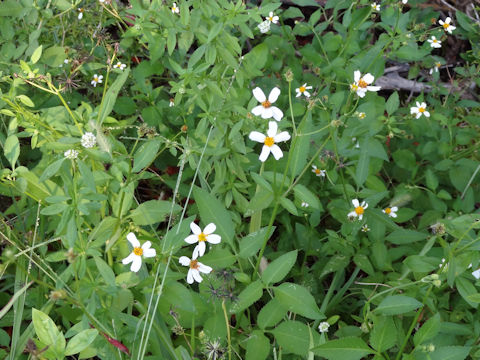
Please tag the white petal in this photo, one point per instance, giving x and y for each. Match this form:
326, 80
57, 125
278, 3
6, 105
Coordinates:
423, 105
195, 228
352, 214
264, 154
149, 253
277, 113
418, 115
355, 203
426, 113
447, 20
361, 92
196, 275
146, 245
356, 75
275, 19
298, 92
394, 208
191, 239
267, 113
373, 88
360, 217
199, 250
368, 78
306, 93
204, 268
258, 110
364, 205
476, 274
272, 129
414, 110
185, 261
441, 21
259, 95
392, 214
209, 229
190, 276
276, 151
214, 238
132, 239
274, 94
136, 264
308, 87
256, 136
283, 136
128, 259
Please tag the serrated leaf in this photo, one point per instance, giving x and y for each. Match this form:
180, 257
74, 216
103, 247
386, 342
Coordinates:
51, 170
428, 330
11, 149
152, 211
298, 299
293, 337
36, 54
80, 341
145, 154
248, 296
105, 271
250, 244
397, 304
279, 268
392, 103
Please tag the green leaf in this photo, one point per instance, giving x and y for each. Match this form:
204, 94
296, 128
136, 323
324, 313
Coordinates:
212, 210
152, 211
10, 8
300, 146
248, 296
36, 54
145, 154
451, 353
178, 296
171, 41
87, 175
404, 159
54, 209
298, 299
214, 31
293, 337
45, 328
110, 98
304, 194
397, 304
400, 237
80, 341
26, 100
105, 271
466, 289
271, 314
289, 206
279, 268
51, 170
54, 56
258, 346
348, 348
384, 334
11, 149
363, 163
428, 330
250, 244
393, 103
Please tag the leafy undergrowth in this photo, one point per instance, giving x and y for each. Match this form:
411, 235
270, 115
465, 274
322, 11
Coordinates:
226, 180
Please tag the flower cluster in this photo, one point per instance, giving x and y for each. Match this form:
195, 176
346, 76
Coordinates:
88, 140
359, 210
71, 154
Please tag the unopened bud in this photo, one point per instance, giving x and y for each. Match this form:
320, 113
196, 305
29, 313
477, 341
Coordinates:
289, 75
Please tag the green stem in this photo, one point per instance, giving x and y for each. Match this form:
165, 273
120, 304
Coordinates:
228, 330
291, 108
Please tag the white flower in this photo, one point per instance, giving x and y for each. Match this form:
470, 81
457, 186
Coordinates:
303, 90
171, 103
376, 6
202, 236
362, 83
361, 115
71, 154
446, 25
445, 268
404, 1
88, 140
392, 212
435, 68
357, 143
80, 13
96, 80
419, 110
64, 62
359, 209
272, 18
323, 327
269, 141
136, 256
102, 1
120, 66
365, 228
318, 172
266, 110
175, 9
434, 42
476, 274
264, 26
195, 268
304, 204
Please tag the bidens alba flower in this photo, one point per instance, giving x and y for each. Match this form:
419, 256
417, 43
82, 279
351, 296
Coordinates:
318, 172
434, 42
80, 13
119, 65
376, 6
195, 268
392, 212
71, 154
419, 110
136, 256
359, 209
175, 8
274, 18
88, 140
446, 25
264, 26
201, 237
302, 90
323, 327
269, 141
266, 110
435, 68
362, 83
96, 80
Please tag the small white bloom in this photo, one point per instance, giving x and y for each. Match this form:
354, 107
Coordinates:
97, 79
64, 62
120, 66
102, 1
445, 268
269, 141
361, 83
175, 8
476, 274
419, 110
361, 115
434, 42
202, 236
195, 268
136, 256
446, 25
357, 143
88, 140
392, 212
266, 110
264, 26
172, 102
404, 1
358, 210
375, 6
304, 204
71, 154
365, 228
80, 13
318, 172
272, 18
323, 327
303, 90
435, 68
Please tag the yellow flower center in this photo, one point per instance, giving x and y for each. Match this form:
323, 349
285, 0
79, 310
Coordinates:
445, 25
362, 83
138, 251
80, 10
270, 18
95, 79
269, 141
354, 87
266, 104
435, 40
359, 210
388, 211
302, 89
438, 64
317, 171
194, 264
361, 115
202, 237
421, 110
